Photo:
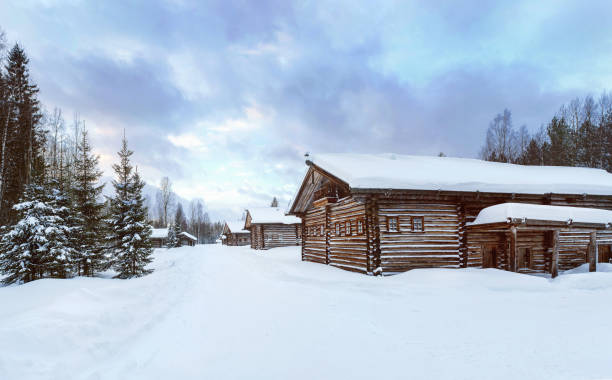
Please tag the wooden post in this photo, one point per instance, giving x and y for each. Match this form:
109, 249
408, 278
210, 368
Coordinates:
303, 235
512, 265
592, 251
463, 249
328, 228
554, 263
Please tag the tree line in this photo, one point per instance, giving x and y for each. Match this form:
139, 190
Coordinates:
169, 213
579, 134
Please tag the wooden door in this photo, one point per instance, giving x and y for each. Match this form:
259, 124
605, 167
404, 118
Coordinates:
604, 254
489, 256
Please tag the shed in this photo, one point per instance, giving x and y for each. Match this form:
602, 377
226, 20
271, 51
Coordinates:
185, 238
388, 213
159, 237
234, 233
270, 228
539, 238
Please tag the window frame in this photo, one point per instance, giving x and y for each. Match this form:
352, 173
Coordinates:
397, 225
360, 223
422, 219
337, 229
348, 227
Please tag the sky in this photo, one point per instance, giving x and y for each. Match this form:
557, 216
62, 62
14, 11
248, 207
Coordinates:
225, 97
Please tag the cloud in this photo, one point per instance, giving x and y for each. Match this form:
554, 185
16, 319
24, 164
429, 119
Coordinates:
225, 97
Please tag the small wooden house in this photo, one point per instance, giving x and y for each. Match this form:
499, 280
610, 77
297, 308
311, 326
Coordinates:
387, 213
187, 239
234, 233
271, 228
159, 238
531, 238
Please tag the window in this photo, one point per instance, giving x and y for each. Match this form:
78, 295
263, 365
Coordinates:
392, 224
337, 229
359, 227
349, 228
322, 230
314, 230
418, 224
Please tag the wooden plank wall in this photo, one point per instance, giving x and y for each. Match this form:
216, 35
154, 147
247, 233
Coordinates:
347, 250
435, 247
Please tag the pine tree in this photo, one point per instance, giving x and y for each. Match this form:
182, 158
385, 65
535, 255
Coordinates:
533, 154
38, 245
130, 232
561, 152
173, 235
179, 218
86, 192
22, 138
274, 202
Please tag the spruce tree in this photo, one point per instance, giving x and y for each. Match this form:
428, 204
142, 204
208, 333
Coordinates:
561, 151
130, 232
173, 238
86, 194
38, 245
21, 139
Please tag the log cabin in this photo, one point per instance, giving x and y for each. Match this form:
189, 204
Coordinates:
187, 239
385, 214
234, 234
159, 238
271, 228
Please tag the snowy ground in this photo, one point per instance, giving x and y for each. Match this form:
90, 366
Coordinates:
218, 312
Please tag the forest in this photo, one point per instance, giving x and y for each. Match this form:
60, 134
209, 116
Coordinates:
55, 220
579, 134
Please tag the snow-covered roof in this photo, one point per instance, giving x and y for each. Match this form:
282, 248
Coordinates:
395, 171
271, 215
237, 227
505, 211
159, 233
188, 235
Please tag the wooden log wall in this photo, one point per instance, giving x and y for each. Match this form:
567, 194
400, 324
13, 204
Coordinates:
278, 235
315, 248
257, 241
573, 246
239, 239
437, 246
348, 248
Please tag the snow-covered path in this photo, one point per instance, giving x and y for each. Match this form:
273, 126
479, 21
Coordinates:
217, 312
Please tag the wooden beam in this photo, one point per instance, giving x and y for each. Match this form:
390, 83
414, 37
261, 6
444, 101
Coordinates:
592, 251
554, 264
328, 228
513, 247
